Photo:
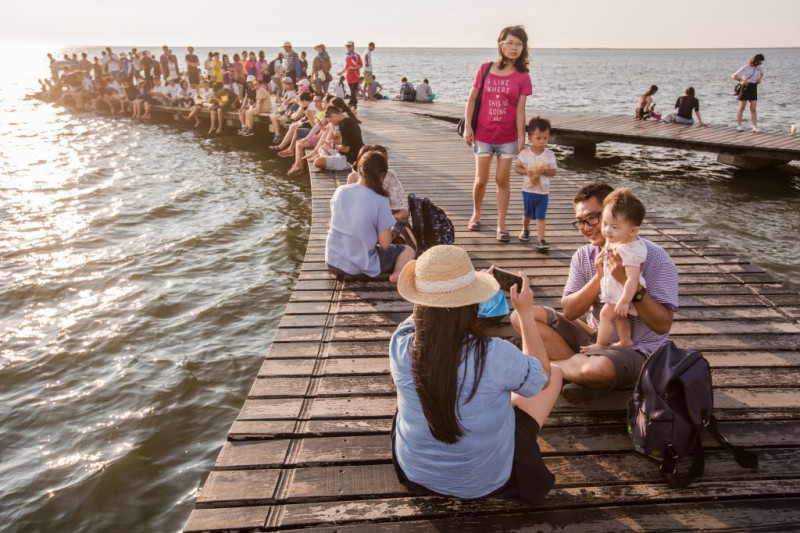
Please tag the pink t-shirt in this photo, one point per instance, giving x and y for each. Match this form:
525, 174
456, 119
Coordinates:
497, 116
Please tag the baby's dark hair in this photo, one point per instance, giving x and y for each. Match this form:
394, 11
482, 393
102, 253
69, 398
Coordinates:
538, 123
624, 203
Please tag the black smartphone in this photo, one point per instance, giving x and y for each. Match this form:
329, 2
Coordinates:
506, 279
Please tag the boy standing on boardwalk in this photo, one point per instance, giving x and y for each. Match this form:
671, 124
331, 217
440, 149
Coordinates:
538, 165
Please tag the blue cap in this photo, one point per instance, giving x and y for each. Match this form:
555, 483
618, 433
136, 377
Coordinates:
497, 305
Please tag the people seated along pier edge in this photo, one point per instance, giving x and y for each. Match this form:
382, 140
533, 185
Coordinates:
392, 186
565, 332
424, 94
469, 405
359, 240
346, 151
684, 106
645, 107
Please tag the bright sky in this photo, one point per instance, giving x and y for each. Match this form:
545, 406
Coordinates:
406, 23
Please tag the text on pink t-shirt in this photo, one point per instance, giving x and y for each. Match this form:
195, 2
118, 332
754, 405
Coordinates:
498, 112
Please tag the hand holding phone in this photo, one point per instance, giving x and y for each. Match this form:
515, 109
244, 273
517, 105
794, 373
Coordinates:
506, 279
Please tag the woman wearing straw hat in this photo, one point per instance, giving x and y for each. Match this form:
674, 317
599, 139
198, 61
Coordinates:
468, 406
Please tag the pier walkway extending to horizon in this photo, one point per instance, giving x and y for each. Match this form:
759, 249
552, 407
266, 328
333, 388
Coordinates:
310, 447
583, 132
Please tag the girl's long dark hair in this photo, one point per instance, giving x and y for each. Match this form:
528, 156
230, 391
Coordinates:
372, 166
341, 104
651, 91
757, 60
521, 63
443, 337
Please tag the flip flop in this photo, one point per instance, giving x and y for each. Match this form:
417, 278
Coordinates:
474, 226
286, 153
503, 236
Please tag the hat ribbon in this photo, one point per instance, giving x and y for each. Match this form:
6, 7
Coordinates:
446, 285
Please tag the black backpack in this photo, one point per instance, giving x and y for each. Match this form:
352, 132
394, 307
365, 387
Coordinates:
407, 92
429, 223
671, 404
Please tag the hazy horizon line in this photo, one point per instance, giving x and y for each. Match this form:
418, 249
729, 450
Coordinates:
158, 46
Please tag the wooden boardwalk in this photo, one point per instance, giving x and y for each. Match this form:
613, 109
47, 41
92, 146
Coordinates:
584, 132
310, 447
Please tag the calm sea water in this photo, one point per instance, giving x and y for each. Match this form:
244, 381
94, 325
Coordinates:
145, 267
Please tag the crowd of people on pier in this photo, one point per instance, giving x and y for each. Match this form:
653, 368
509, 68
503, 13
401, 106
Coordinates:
469, 404
290, 91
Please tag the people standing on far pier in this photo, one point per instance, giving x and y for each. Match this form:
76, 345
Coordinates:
192, 67
749, 76
646, 106
352, 72
368, 72
291, 62
500, 122
538, 164
321, 70
469, 405
684, 106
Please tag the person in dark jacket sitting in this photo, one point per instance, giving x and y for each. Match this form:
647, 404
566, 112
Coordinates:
684, 107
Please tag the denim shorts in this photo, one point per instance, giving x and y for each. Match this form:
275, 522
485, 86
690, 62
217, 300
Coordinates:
505, 150
388, 256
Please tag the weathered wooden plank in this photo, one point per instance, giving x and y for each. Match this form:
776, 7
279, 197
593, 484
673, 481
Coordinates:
399, 508
240, 487
770, 515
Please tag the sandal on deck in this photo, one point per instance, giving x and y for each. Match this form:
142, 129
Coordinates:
474, 226
503, 236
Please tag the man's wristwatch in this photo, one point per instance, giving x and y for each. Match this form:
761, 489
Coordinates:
638, 295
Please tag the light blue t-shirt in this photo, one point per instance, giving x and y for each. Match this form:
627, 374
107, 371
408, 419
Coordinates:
358, 215
480, 462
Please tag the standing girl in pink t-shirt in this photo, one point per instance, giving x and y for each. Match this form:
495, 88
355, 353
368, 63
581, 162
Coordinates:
500, 126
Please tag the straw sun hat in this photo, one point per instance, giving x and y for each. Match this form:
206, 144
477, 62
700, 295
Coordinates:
443, 277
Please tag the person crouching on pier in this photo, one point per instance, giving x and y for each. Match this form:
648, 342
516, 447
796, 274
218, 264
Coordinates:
359, 238
469, 405
646, 106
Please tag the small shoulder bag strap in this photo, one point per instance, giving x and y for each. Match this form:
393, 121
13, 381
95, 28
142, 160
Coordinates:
745, 458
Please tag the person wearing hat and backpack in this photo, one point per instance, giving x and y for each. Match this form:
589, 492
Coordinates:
469, 406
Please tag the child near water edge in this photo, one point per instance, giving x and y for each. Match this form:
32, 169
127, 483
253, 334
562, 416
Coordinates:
623, 213
538, 164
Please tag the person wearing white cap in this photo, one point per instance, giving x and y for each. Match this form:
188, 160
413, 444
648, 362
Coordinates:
469, 406
352, 68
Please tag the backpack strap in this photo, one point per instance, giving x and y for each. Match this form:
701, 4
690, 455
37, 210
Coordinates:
669, 467
745, 458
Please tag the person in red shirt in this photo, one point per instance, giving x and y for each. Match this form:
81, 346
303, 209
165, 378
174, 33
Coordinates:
352, 66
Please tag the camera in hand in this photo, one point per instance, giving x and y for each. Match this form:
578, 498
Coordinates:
506, 279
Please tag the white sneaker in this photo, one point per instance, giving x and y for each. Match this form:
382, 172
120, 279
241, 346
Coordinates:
756, 130
739, 128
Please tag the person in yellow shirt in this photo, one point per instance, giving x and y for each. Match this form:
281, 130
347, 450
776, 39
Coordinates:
216, 69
